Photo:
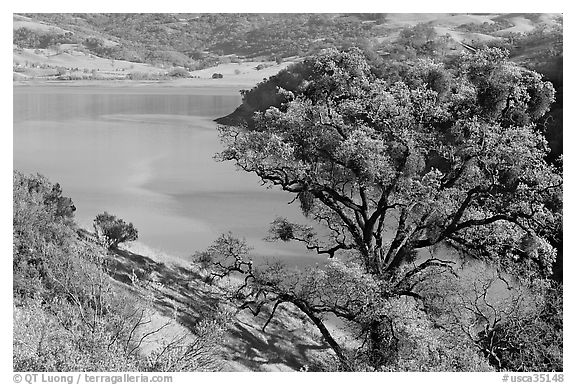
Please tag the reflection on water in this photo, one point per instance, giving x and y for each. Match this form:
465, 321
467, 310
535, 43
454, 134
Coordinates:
147, 156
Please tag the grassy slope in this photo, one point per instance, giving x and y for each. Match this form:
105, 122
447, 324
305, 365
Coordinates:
75, 59
289, 342
244, 74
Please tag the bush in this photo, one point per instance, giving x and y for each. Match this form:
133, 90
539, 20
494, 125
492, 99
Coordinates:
192, 353
42, 226
112, 231
40, 342
217, 76
85, 326
179, 73
204, 259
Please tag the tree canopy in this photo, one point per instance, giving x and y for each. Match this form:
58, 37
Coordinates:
392, 166
113, 231
442, 156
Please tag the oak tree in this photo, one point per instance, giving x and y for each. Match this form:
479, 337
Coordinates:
390, 168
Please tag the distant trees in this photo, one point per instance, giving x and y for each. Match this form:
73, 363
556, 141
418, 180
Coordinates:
99, 47
376, 17
27, 38
169, 39
93, 43
164, 39
217, 76
179, 72
113, 231
486, 28
394, 169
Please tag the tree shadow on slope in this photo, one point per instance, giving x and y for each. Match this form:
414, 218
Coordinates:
173, 287
287, 344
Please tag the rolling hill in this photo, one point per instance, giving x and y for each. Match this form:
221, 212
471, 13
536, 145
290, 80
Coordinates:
151, 46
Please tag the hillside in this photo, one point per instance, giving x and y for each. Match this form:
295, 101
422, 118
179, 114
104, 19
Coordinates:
168, 46
40, 65
79, 306
181, 294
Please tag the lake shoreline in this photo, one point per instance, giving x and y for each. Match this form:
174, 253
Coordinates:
192, 86
236, 77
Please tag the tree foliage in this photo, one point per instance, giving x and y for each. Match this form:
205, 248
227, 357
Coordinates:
27, 38
113, 231
393, 166
447, 166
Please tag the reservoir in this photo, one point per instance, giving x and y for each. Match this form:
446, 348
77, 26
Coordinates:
145, 154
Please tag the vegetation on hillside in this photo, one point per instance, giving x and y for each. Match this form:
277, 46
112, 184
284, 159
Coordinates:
69, 314
202, 40
198, 40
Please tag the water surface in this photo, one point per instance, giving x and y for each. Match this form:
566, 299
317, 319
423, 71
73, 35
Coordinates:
146, 155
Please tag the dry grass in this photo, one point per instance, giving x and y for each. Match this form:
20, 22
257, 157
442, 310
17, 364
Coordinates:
179, 288
42, 65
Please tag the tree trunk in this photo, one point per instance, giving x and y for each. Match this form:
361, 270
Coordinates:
383, 344
325, 333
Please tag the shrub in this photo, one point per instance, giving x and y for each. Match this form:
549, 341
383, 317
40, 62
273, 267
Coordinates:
204, 259
42, 227
40, 343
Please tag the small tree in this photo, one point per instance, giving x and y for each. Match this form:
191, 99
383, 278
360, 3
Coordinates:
113, 231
